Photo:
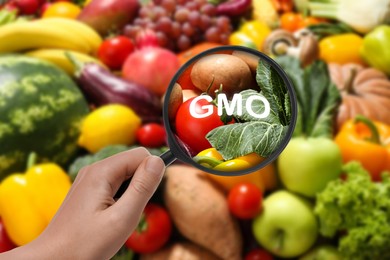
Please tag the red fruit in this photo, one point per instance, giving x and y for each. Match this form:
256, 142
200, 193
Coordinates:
151, 67
27, 7
151, 135
114, 51
245, 200
146, 38
153, 231
258, 254
192, 131
5, 242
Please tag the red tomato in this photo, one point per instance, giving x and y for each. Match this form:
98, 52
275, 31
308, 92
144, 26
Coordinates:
5, 243
258, 254
114, 51
151, 135
192, 131
153, 231
245, 200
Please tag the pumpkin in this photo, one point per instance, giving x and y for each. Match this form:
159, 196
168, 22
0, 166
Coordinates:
364, 91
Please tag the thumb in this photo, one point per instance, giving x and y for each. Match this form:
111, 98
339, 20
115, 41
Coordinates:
144, 183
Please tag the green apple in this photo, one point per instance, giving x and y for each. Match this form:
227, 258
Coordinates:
287, 226
307, 164
324, 252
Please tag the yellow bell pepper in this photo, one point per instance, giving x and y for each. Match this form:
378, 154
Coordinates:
264, 179
29, 201
251, 34
341, 48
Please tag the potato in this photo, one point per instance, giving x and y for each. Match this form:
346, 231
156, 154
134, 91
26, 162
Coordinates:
181, 251
200, 212
250, 59
175, 100
216, 69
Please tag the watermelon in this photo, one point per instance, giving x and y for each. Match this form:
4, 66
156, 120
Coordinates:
41, 109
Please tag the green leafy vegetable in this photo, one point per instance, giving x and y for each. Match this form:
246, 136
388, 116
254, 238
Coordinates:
322, 30
317, 97
252, 134
105, 152
359, 208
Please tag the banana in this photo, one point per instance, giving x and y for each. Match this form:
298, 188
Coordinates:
81, 29
58, 57
23, 36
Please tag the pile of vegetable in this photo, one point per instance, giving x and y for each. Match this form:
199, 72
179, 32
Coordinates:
84, 80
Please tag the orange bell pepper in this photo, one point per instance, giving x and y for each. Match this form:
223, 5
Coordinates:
292, 22
368, 142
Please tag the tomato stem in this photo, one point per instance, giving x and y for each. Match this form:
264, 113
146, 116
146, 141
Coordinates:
142, 225
371, 126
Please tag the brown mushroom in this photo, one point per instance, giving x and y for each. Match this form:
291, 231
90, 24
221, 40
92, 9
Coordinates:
278, 42
302, 45
307, 49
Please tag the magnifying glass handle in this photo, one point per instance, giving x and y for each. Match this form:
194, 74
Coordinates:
168, 157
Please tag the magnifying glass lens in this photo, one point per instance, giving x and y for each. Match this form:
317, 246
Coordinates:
229, 111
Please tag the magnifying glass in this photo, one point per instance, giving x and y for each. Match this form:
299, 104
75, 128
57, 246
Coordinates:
229, 111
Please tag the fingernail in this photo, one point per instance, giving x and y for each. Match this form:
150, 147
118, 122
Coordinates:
154, 165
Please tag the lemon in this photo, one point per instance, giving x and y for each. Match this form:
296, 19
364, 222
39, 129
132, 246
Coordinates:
108, 125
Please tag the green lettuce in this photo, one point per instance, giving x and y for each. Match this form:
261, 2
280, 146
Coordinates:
358, 210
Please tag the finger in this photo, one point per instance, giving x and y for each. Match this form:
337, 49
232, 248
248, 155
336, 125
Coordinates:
116, 169
141, 188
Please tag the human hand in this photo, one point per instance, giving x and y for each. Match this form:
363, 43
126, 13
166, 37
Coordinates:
90, 224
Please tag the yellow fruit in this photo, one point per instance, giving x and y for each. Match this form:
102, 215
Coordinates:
264, 179
62, 9
108, 125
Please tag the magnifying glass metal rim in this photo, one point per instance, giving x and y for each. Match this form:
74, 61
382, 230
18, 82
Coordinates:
176, 152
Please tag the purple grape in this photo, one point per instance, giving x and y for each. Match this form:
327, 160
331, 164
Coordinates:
181, 15
183, 42
212, 34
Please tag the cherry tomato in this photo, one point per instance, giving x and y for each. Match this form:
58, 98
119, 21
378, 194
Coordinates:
245, 200
258, 254
114, 51
153, 231
5, 243
289, 21
192, 131
151, 135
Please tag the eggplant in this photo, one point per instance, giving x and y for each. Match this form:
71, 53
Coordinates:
233, 7
101, 87
106, 16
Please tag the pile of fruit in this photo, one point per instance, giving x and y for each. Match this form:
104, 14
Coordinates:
83, 80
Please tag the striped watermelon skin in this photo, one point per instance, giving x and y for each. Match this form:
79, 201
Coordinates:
41, 109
